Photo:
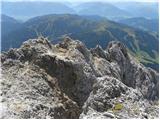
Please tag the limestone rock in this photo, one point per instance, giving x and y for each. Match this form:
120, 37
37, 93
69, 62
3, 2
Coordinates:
67, 80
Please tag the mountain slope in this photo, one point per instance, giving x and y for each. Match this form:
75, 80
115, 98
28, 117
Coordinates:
142, 23
143, 45
8, 24
67, 80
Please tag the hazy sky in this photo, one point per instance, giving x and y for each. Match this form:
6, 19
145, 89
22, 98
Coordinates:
86, 0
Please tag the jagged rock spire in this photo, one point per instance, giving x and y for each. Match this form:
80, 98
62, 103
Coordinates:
66, 80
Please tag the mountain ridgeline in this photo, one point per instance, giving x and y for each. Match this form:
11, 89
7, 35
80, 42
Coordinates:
8, 24
142, 44
104, 9
142, 23
67, 80
140, 9
31, 9
118, 10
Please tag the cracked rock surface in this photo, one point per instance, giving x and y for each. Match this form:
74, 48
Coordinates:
67, 80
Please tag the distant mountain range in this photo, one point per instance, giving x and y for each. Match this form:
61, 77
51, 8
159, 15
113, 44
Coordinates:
141, 44
8, 24
140, 9
142, 23
114, 11
101, 9
26, 10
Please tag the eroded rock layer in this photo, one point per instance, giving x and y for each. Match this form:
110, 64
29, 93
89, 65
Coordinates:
67, 80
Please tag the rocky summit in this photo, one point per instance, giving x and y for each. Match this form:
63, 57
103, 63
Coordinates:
67, 80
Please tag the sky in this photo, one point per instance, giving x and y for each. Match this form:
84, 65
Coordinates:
87, 0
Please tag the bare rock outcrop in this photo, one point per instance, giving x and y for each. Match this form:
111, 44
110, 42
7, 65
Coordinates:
67, 80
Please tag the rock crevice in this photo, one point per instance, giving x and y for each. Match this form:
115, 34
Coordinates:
67, 80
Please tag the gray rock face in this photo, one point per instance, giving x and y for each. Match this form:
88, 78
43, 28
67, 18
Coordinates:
66, 80
133, 74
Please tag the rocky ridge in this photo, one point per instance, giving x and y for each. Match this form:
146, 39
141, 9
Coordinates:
67, 80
